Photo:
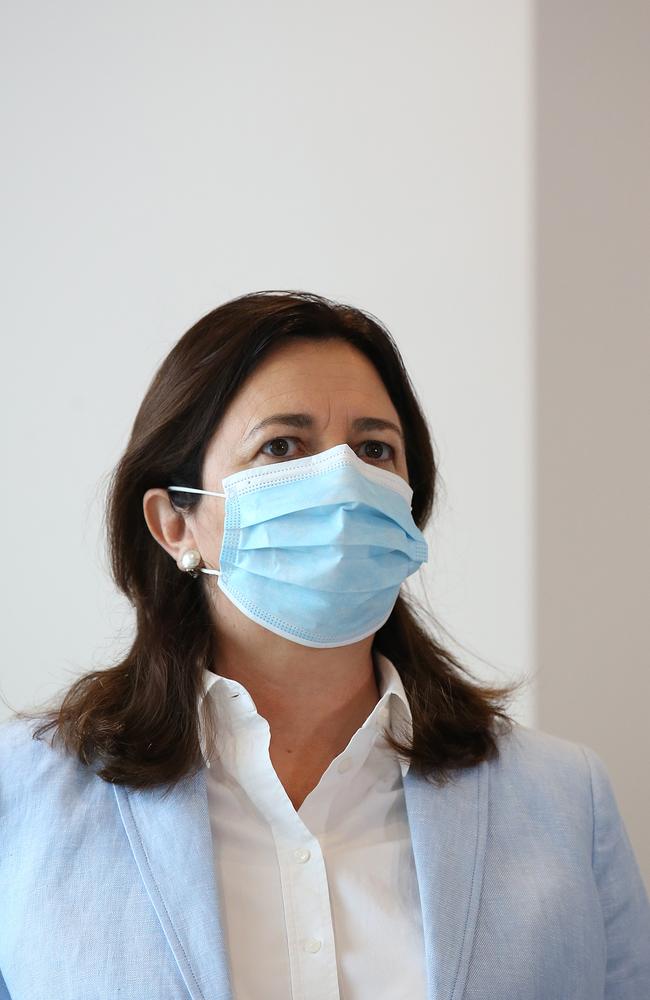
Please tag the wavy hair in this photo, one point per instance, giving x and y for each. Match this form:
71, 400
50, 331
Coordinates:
136, 721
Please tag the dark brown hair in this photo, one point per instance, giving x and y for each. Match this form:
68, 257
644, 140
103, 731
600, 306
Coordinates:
137, 720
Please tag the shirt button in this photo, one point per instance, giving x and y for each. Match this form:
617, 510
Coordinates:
312, 945
302, 854
344, 766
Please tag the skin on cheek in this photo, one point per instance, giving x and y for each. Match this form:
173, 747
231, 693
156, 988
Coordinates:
208, 530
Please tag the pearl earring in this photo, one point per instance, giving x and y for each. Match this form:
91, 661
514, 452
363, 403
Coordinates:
190, 559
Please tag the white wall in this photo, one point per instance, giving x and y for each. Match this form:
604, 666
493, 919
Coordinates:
164, 157
593, 368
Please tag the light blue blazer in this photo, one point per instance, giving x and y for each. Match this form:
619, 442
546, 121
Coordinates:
529, 886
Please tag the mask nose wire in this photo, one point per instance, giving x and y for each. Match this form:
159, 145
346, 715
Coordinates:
211, 493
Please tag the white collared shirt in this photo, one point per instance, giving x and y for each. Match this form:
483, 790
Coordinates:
322, 903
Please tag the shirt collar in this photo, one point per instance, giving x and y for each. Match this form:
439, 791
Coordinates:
237, 707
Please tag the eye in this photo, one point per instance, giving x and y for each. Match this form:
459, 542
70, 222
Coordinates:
280, 452
370, 449
373, 450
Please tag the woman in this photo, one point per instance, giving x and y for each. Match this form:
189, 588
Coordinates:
288, 788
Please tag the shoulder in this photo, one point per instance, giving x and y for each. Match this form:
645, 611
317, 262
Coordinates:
536, 752
541, 755
555, 778
19, 747
560, 781
38, 765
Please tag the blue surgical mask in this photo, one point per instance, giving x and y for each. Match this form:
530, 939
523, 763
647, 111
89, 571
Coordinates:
315, 549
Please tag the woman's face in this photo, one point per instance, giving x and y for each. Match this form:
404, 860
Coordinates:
303, 398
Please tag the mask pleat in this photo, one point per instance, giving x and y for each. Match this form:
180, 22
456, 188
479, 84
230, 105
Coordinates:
349, 528
292, 567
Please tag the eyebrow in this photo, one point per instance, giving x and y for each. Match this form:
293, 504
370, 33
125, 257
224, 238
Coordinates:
305, 420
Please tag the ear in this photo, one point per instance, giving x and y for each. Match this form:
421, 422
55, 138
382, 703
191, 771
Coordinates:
168, 526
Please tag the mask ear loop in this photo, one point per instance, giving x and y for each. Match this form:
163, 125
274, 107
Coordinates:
211, 493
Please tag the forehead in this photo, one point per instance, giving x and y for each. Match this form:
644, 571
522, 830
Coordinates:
327, 378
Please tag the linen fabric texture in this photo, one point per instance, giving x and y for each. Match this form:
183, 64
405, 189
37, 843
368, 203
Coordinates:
527, 880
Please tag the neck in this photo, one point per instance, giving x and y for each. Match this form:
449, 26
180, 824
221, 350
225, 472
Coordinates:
311, 697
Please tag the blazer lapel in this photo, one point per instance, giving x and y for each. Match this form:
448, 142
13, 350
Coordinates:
172, 844
448, 833
171, 841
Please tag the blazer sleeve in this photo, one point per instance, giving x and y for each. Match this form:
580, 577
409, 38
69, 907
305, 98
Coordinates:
623, 897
